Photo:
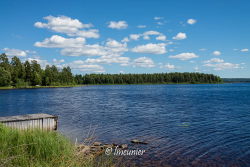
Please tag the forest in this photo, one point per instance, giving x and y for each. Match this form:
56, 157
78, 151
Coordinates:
22, 74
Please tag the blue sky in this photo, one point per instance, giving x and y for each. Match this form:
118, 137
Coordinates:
130, 36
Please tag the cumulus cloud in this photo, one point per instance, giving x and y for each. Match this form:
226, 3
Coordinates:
86, 50
134, 36
77, 46
151, 33
180, 36
123, 61
113, 46
214, 60
126, 39
223, 66
118, 24
161, 38
217, 53
42, 62
184, 56
82, 66
220, 64
69, 26
244, 50
168, 66
191, 21
57, 41
150, 48
146, 37
143, 62
17, 52
85, 67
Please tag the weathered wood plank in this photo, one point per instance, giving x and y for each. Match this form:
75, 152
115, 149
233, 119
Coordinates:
41, 121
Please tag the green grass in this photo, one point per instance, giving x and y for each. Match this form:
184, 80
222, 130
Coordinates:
37, 148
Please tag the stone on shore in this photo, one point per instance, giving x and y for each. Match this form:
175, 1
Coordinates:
135, 141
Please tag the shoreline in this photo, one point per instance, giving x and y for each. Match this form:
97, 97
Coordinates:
71, 86
39, 87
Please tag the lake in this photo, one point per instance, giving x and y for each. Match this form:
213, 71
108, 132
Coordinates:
185, 125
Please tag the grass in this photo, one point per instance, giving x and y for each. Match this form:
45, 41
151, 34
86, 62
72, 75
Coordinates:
37, 148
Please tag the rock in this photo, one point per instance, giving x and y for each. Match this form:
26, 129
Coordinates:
107, 145
97, 143
114, 145
124, 146
135, 141
84, 150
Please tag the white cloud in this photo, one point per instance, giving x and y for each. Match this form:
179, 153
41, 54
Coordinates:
82, 66
184, 56
125, 39
244, 50
141, 26
57, 41
134, 36
16, 52
118, 24
113, 46
168, 66
151, 33
146, 37
220, 64
180, 36
86, 50
151, 48
158, 18
124, 61
93, 33
191, 21
217, 53
160, 23
77, 46
161, 38
214, 60
143, 62
58, 61
69, 26
42, 63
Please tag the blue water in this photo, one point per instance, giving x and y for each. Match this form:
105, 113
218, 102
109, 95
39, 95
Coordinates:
185, 125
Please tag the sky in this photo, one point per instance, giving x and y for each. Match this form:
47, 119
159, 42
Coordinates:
130, 36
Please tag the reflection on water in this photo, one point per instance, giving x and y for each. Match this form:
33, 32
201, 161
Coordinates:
186, 125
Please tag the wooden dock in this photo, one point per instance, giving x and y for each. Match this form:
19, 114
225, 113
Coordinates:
31, 121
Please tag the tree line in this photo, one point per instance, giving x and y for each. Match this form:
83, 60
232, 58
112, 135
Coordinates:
156, 78
20, 74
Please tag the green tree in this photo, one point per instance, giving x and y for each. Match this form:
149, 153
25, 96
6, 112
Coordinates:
5, 77
18, 71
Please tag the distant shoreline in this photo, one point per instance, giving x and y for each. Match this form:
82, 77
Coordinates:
71, 86
38, 87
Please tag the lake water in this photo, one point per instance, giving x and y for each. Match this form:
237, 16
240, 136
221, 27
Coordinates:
185, 125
